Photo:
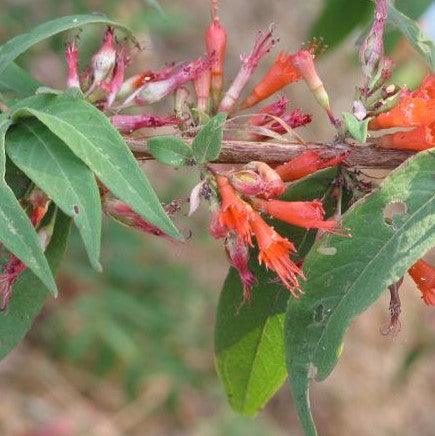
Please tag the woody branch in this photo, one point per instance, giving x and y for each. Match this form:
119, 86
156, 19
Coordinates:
365, 156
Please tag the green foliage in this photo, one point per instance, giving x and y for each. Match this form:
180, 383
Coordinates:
356, 128
170, 150
16, 231
346, 275
10, 50
91, 137
249, 338
207, 143
30, 293
16, 81
414, 34
339, 18
49, 163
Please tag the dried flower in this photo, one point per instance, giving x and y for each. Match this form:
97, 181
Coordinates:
423, 275
307, 163
273, 184
421, 138
266, 114
247, 182
262, 45
71, 55
274, 253
130, 123
238, 255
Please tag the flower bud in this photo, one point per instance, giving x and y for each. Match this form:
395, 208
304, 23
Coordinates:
247, 182
274, 186
71, 55
202, 89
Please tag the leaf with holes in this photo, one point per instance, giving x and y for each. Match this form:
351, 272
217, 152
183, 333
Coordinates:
91, 137
346, 275
11, 49
249, 342
16, 231
30, 293
170, 150
50, 164
207, 144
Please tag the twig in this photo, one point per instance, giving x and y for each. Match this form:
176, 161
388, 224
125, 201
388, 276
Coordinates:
364, 156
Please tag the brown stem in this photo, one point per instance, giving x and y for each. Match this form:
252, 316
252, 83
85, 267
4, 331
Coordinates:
232, 152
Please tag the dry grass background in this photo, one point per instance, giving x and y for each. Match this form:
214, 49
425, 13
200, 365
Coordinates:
364, 396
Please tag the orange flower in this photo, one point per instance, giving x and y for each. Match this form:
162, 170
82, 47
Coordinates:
281, 74
421, 138
306, 214
274, 253
235, 214
409, 112
307, 163
423, 275
427, 88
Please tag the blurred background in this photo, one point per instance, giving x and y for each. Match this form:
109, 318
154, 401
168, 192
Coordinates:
130, 351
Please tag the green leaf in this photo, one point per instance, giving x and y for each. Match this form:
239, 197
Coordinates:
90, 136
346, 275
249, 342
50, 164
357, 129
10, 50
170, 150
29, 293
16, 231
207, 144
338, 19
414, 34
15, 80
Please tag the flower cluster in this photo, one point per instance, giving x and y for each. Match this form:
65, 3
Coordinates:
247, 194
415, 110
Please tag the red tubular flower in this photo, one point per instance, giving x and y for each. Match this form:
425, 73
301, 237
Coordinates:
426, 89
274, 253
409, 112
114, 85
216, 42
238, 255
275, 109
421, 138
154, 91
281, 74
306, 214
130, 123
423, 275
71, 55
39, 203
235, 214
264, 42
307, 163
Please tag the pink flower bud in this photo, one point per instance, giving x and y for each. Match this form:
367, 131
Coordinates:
104, 60
154, 91
130, 123
238, 255
216, 42
122, 213
71, 55
115, 83
264, 42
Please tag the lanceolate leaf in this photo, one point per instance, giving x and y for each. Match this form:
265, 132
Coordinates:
91, 137
249, 339
346, 275
19, 44
170, 150
50, 164
207, 144
16, 231
414, 34
15, 80
30, 293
